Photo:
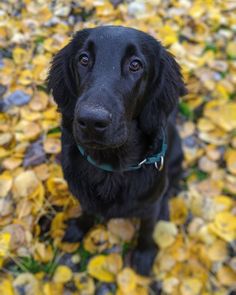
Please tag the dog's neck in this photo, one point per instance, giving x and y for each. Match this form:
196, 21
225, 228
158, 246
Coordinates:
130, 153
137, 147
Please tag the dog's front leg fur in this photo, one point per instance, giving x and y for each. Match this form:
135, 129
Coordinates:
78, 227
146, 249
145, 252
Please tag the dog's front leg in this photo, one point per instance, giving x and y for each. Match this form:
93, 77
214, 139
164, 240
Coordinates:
78, 227
145, 252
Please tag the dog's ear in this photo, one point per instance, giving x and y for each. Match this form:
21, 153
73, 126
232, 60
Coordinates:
164, 90
170, 84
62, 79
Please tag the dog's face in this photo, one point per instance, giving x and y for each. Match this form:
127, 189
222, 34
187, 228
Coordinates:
107, 77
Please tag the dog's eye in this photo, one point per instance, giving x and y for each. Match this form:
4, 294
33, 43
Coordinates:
84, 59
135, 65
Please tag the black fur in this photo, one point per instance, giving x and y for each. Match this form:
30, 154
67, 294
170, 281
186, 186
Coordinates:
139, 103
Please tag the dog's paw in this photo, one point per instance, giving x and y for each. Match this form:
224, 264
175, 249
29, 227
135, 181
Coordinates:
142, 260
74, 233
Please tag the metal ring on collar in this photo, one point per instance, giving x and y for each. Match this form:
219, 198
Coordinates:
160, 167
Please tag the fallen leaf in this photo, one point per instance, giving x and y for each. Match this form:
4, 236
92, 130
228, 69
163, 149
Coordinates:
63, 274
165, 233
5, 239
190, 286
230, 157
121, 228
127, 280
5, 184
96, 240
98, 267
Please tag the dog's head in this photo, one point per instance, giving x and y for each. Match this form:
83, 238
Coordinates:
109, 76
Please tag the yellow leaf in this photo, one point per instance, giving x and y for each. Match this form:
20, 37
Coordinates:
224, 226
6, 287
167, 35
25, 77
52, 288
226, 276
218, 251
127, 280
84, 283
97, 240
123, 228
21, 56
39, 101
5, 239
205, 125
60, 195
25, 184
114, 263
52, 145
207, 165
170, 285
42, 252
27, 281
223, 203
23, 208
26, 130
28, 115
37, 198
68, 247
227, 118
42, 172
18, 235
4, 152
231, 49
230, 157
178, 210
196, 10
165, 233
190, 286
57, 185
5, 139
5, 184
226, 221
98, 268
63, 274
58, 226
11, 163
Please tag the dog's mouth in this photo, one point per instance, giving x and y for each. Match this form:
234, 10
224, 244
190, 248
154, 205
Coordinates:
111, 140
96, 145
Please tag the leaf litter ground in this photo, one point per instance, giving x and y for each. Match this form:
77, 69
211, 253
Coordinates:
197, 246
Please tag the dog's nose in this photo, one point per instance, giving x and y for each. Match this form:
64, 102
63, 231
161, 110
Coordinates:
95, 119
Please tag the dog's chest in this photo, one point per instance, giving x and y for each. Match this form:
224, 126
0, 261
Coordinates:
119, 195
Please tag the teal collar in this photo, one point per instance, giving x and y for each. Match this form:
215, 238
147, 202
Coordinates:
156, 159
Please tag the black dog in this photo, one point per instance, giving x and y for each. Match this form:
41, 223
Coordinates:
116, 88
